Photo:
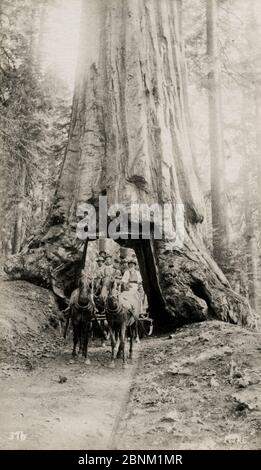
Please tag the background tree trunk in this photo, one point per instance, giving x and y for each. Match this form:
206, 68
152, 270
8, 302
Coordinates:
42, 14
216, 140
249, 197
129, 140
258, 147
253, 40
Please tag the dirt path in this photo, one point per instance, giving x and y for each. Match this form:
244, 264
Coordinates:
80, 413
38, 412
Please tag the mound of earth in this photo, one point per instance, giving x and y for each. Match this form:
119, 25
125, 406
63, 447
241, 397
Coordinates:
29, 325
200, 389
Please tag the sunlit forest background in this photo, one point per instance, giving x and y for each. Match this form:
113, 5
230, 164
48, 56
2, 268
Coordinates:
38, 58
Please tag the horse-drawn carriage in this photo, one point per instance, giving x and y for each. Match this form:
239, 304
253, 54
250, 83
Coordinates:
104, 309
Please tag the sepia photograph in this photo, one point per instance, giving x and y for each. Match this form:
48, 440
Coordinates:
130, 235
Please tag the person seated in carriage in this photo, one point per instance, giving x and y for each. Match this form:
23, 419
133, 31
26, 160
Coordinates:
124, 265
102, 254
117, 270
132, 282
98, 275
108, 266
131, 279
99, 272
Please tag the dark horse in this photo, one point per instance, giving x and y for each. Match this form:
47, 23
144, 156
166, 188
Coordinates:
82, 312
100, 323
120, 319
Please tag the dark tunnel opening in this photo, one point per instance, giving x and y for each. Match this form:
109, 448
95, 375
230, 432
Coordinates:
200, 291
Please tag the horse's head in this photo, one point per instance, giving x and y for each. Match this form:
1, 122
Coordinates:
97, 286
105, 287
113, 295
85, 288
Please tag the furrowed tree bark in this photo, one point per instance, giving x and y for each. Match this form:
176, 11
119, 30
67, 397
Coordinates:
129, 139
19, 211
258, 146
216, 141
19, 228
258, 168
249, 197
253, 197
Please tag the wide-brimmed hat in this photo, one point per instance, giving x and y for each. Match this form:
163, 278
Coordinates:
132, 260
100, 258
102, 252
108, 256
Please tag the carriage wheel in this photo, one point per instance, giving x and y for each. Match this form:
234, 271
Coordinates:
145, 327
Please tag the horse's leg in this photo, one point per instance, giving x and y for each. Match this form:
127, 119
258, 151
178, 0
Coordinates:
137, 331
66, 327
119, 344
85, 344
132, 331
113, 345
80, 342
106, 330
119, 353
75, 338
102, 327
92, 333
122, 343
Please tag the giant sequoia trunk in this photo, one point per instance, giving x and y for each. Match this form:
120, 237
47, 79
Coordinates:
129, 140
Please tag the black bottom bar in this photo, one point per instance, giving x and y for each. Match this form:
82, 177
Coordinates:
113, 458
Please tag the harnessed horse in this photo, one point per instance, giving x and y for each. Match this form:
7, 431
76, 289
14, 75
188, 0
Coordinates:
99, 300
120, 319
82, 313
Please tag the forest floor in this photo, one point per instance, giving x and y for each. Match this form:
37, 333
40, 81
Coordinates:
199, 389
